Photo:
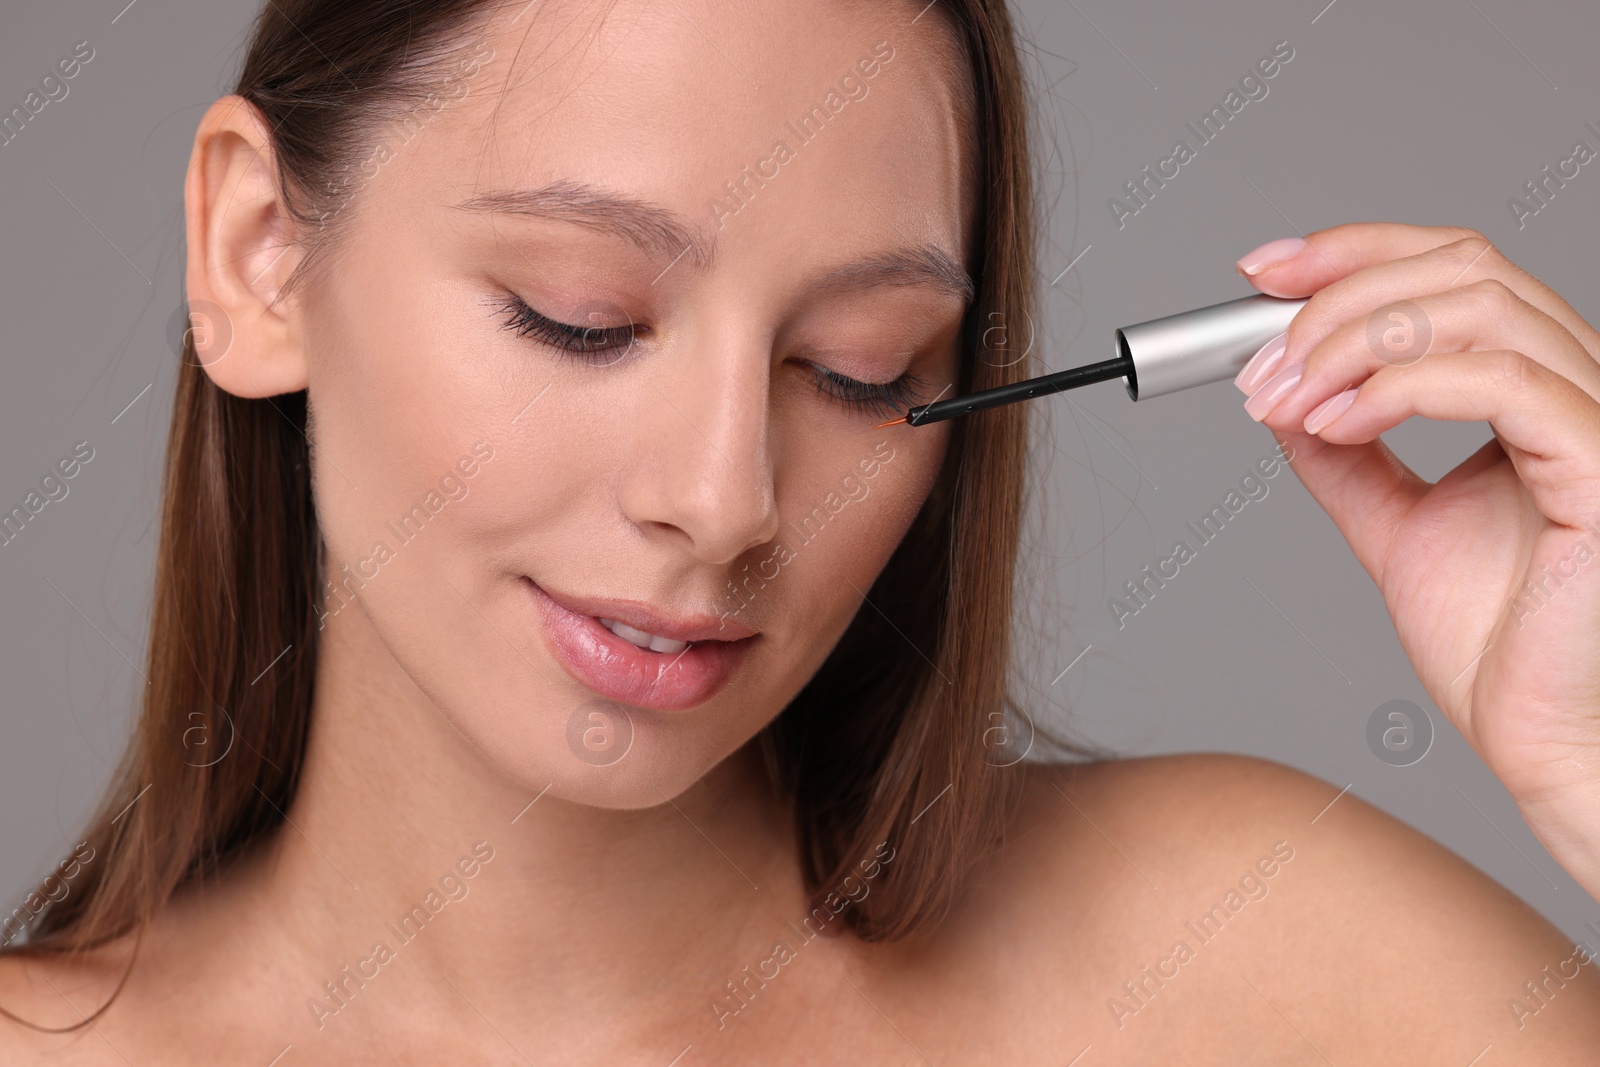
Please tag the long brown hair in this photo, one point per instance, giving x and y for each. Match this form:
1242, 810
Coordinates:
885, 744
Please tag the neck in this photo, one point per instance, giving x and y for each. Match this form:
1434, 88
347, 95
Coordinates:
403, 835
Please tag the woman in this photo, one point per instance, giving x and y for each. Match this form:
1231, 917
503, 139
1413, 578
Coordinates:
552, 662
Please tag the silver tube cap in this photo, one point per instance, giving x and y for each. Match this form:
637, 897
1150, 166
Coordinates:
1202, 346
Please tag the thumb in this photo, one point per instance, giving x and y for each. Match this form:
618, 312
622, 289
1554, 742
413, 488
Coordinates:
1364, 488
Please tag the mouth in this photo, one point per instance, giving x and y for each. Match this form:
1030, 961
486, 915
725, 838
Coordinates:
637, 654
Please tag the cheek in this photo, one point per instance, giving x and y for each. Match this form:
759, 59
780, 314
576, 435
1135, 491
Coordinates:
836, 561
389, 417
841, 541
406, 377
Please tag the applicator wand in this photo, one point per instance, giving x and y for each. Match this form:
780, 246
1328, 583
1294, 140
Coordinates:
1209, 344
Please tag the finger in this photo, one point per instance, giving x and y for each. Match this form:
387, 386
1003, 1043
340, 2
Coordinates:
1365, 488
1333, 269
1328, 255
1548, 427
1482, 317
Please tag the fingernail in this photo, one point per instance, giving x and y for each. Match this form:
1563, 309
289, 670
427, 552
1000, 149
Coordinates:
1264, 399
1273, 252
1325, 413
1255, 372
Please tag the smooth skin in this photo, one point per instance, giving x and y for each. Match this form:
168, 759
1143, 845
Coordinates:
618, 901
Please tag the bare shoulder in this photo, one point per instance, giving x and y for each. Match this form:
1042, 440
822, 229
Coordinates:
1215, 902
55, 995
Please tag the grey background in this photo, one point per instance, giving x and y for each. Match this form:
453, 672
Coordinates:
1425, 112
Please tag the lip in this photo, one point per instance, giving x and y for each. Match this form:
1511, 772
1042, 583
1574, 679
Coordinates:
617, 668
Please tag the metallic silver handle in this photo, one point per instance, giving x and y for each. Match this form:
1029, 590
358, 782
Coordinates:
1206, 345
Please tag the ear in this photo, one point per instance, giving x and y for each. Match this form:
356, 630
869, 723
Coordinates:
241, 249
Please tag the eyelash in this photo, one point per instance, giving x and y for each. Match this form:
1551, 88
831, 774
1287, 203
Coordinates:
576, 340
877, 398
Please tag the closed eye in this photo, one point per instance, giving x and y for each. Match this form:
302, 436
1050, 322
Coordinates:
524, 321
877, 398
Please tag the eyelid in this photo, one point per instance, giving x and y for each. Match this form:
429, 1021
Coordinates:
581, 341
584, 342
877, 398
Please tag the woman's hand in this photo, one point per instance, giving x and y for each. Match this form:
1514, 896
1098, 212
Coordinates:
1492, 574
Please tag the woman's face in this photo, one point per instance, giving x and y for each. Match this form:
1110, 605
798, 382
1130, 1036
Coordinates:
584, 371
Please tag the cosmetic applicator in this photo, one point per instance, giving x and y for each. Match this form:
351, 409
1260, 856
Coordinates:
1153, 358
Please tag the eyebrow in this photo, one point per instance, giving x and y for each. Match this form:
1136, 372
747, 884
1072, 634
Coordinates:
654, 230
926, 265
665, 234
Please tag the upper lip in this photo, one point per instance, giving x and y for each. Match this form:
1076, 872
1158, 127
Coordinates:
694, 626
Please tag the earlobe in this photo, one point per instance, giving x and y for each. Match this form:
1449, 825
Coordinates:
241, 249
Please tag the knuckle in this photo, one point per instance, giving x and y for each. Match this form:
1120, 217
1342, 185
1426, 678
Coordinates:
1465, 233
1512, 371
1322, 313
1472, 248
1495, 296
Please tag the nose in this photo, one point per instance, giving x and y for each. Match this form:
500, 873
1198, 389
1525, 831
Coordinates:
702, 459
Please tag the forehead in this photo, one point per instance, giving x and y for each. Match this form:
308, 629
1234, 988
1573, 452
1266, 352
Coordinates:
756, 121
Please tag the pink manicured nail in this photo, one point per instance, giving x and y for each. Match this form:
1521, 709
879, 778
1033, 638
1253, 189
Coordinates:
1273, 252
1326, 413
1261, 364
1264, 399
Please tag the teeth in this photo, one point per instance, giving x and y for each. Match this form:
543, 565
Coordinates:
644, 640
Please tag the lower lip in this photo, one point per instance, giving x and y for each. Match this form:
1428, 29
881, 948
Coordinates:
619, 669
